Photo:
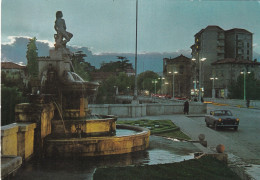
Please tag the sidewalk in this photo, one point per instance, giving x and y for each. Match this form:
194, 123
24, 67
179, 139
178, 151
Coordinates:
213, 138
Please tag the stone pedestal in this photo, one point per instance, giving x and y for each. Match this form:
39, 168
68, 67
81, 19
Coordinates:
41, 115
25, 139
9, 139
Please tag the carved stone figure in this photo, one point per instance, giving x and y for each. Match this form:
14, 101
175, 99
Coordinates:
62, 36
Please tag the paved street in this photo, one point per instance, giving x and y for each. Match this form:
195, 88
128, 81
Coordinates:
244, 143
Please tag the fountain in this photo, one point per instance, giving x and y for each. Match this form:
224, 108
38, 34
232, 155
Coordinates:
74, 130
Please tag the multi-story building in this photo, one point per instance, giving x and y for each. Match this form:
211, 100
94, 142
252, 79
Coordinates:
209, 44
239, 44
218, 45
181, 69
227, 70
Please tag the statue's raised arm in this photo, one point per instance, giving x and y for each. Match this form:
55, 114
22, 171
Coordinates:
62, 36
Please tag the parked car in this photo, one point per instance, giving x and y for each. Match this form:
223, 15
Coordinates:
221, 118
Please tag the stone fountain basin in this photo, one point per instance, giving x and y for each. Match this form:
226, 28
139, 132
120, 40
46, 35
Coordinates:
98, 146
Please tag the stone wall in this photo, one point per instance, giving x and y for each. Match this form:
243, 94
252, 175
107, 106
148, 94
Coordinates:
18, 139
140, 110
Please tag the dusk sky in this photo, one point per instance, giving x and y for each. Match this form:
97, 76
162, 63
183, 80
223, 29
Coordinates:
108, 26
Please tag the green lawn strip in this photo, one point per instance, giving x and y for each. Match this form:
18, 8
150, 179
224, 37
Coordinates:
159, 127
203, 168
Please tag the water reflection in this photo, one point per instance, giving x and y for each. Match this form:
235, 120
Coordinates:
161, 151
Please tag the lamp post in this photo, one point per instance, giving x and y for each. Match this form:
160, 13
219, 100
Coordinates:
154, 82
193, 59
136, 20
161, 79
200, 81
213, 87
244, 72
173, 74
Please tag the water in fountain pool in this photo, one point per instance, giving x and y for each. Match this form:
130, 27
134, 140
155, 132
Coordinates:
160, 151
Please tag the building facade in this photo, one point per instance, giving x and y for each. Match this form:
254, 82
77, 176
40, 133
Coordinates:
239, 44
178, 73
227, 70
215, 44
12, 72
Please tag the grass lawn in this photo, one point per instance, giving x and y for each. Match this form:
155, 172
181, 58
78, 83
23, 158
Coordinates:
164, 128
203, 168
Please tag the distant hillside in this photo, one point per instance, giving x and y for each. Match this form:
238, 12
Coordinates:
16, 52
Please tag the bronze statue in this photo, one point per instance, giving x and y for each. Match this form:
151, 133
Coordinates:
62, 36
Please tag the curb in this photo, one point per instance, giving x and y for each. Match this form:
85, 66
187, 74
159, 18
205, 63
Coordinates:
237, 165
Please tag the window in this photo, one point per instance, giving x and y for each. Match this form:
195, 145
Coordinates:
181, 69
247, 45
247, 52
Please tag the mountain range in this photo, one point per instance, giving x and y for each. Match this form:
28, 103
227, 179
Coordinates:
16, 52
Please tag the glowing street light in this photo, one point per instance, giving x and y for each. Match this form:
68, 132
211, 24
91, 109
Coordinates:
173, 74
154, 82
213, 87
244, 72
200, 81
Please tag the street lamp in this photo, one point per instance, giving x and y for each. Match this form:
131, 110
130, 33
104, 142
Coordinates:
195, 82
173, 74
136, 22
213, 88
161, 79
154, 82
193, 59
244, 72
200, 81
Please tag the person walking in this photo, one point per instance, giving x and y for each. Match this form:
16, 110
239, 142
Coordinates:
186, 107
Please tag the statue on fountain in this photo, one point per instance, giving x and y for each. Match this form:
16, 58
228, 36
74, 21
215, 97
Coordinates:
62, 36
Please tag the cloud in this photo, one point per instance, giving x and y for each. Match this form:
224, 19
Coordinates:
255, 45
15, 51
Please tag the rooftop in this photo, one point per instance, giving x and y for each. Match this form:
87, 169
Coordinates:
11, 65
235, 61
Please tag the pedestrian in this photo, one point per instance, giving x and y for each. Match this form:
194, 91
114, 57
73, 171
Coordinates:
186, 107
247, 103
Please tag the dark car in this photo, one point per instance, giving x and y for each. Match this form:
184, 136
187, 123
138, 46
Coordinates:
221, 118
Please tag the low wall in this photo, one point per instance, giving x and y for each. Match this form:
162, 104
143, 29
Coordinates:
235, 102
140, 110
18, 139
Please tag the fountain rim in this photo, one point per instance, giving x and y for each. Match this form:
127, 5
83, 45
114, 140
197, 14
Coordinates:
141, 131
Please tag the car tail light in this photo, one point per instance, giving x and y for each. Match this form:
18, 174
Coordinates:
237, 119
219, 119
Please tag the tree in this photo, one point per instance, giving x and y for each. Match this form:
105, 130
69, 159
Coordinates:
236, 89
107, 90
144, 81
10, 97
118, 66
81, 67
32, 55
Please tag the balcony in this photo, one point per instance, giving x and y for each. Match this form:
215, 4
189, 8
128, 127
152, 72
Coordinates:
221, 36
220, 50
220, 43
239, 51
240, 44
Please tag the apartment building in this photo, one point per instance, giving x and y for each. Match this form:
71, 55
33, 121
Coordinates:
218, 45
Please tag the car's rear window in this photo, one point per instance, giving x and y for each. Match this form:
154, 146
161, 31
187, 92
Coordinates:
222, 113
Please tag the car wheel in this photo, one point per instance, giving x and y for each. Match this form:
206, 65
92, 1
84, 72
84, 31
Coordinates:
215, 126
235, 128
